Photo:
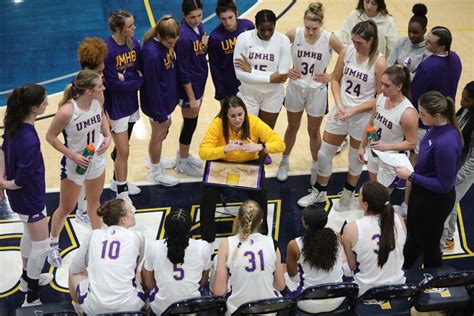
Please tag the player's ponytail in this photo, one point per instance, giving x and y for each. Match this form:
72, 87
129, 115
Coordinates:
112, 211
400, 75
177, 228
250, 217
85, 80
165, 28
377, 198
20, 104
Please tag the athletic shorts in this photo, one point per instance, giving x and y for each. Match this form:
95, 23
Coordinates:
421, 134
96, 169
354, 126
121, 125
185, 103
90, 306
34, 217
385, 173
266, 101
313, 100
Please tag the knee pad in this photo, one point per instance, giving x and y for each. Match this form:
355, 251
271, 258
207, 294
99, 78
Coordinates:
189, 126
355, 168
130, 129
325, 155
39, 252
25, 243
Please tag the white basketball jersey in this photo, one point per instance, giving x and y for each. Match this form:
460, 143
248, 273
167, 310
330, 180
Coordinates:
387, 122
112, 264
264, 57
366, 248
358, 80
311, 276
176, 282
84, 127
310, 59
251, 271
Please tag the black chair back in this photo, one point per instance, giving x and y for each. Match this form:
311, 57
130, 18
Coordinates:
265, 306
124, 314
196, 305
330, 290
389, 292
451, 279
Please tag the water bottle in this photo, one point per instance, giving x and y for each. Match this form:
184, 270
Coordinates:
372, 137
88, 152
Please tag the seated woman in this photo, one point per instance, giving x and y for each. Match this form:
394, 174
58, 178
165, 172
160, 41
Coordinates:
175, 267
102, 276
376, 240
249, 261
306, 266
235, 136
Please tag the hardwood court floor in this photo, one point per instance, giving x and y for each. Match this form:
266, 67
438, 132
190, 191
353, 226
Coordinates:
457, 15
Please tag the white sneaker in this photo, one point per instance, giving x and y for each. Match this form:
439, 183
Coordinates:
282, 173
54, 256
193, 160
132, 188
401, 209
34, 303
313, 197
344, 200
44, 279
124, 196
82, 218
158, 175
164, 162
314, 173
185, 166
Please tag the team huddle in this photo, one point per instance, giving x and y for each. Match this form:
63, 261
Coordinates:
392, 95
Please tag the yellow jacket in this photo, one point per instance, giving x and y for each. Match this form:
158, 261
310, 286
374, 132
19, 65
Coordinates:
212, 146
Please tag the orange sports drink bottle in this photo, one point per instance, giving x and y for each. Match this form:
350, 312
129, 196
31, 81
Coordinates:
88, 153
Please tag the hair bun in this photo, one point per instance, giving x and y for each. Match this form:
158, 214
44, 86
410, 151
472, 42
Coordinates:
419, 9
316, 7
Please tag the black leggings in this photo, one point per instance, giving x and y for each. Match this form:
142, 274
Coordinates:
211, 196
427, 212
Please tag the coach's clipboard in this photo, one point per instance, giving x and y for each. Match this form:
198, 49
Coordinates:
230, 174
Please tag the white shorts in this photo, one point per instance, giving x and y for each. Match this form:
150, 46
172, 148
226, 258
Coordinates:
354, 126
421, 134
313, 100
96, 169
295, 287
266, 101
90, 306
121, 125
385, 173
33, 218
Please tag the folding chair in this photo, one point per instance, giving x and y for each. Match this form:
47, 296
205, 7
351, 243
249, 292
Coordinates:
124, 314
208, 304
265, 306
396, 299
322, 292
51, 309
445, 292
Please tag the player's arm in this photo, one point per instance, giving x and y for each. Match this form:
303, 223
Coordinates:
349, 239
278, 278
336, 80
222, 274
292, 257
148, 273
80, 260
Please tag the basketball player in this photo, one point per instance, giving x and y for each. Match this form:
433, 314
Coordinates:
80, 118
221, 48
396, 121
311, 51
249, 261
191, 50
91, 55
374, 243
159, 93
102, 275
22, 175
175, 267
122, 79
355, 82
